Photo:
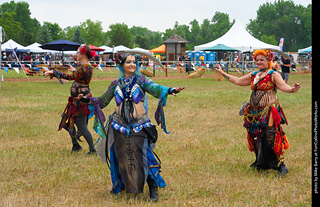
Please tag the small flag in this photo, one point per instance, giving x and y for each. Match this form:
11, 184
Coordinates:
281, 43
16, 69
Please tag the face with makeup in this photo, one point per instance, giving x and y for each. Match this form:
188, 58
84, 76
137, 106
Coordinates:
262, 62
129, 66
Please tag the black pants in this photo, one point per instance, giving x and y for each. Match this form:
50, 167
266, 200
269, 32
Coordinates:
81, 122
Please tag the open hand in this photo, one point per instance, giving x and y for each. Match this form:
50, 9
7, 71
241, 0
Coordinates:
71, 69
177, 90
80, 96
48, 72
218, 68
295, 87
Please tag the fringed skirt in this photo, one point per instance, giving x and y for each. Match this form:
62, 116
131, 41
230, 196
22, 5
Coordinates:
265, 135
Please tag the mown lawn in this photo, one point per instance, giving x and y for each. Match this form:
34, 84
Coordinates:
205, 158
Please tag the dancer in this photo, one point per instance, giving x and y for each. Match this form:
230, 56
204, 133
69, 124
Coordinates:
263, 116
76, 112
130, 132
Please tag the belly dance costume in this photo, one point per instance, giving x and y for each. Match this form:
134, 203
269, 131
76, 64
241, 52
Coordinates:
82, 77
263, 123
126, 147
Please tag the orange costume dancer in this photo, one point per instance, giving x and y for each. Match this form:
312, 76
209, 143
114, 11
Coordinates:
263, 115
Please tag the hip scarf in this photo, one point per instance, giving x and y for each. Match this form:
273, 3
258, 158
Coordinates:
265, 135
120, 124
73, 108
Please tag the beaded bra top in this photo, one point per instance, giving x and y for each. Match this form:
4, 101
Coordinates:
128, 90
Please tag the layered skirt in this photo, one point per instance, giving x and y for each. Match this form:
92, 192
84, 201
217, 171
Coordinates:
265, 135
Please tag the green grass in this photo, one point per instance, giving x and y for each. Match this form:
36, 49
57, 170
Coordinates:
205, 159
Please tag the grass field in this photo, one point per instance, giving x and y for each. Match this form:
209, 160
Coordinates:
205, 159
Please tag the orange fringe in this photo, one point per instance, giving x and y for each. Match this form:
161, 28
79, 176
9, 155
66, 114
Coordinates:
286, 142
278, 145
250, 143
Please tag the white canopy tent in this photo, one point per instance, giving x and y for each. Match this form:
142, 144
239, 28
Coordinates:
36, 49
10, 45
115, 49
238, 37
141, 50
305, 49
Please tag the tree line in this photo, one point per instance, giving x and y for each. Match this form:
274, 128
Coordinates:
274, 20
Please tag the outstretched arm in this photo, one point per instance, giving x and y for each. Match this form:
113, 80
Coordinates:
277, 79
176, 90
243, 81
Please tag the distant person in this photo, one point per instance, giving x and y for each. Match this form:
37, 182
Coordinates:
47, 58
285, 68
202, 59
275, 65
188, 63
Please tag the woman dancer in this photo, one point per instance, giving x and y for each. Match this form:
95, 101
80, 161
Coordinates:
76, 112
132, 162
263, 115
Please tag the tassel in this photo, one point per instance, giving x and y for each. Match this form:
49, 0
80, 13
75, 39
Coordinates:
276, 117
250, 143
278, 145
286, 142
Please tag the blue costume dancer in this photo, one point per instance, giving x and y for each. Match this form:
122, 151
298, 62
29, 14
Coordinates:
127, 141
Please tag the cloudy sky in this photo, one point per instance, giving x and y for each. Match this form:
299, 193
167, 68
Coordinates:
155, 15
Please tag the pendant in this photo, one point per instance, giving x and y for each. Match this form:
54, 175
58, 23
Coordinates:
256, 79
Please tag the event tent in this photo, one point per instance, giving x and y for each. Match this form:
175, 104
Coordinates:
95, 48
36, 49
237, 37
305, 50
160, 49
115, 49
141, 50
10, 45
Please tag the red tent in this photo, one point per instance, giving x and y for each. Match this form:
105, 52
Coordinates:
95, 48
160, 49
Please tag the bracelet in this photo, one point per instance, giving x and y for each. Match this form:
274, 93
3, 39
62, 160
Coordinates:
172, 90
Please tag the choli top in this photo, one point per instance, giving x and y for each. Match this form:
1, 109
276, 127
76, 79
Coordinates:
82, 77
264, 84
133, 89
263, 91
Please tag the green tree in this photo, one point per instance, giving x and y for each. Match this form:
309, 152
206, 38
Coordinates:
92, 32
77, 37
44, 35
283, 19
69, 32
28, 25
119, 34
141, 41
10, 26
55, 30
220, 24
